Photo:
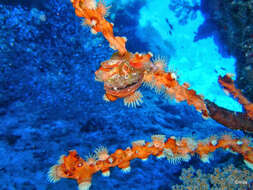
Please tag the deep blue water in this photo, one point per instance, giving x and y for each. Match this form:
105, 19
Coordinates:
50, 102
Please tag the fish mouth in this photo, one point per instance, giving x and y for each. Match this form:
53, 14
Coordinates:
124, 90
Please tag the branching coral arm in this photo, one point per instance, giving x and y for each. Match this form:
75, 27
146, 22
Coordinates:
228, 84
230, 119
175, 150
167, 81
94, 14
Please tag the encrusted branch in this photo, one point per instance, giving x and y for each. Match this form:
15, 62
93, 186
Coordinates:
230, 119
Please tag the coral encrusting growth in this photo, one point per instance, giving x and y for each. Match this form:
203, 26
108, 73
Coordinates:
175, 150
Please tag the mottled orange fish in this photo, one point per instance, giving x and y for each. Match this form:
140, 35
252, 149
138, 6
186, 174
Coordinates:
122, 79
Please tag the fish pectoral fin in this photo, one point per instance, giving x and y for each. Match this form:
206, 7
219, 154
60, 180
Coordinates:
133, 99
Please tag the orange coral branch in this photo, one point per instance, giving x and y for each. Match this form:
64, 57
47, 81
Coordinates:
228, 84
161, 79
94, 14
74, 167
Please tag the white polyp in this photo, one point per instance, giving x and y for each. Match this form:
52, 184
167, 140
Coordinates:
126, 170
93, 31
84, 186
173, 75
150, 54
205, 159
144, 160
106, 174
93, 22
214, 142
160, 156
124, 38
248, 164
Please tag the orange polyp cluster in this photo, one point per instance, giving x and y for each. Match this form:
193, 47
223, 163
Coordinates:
101, 153
184, 148
74, 167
